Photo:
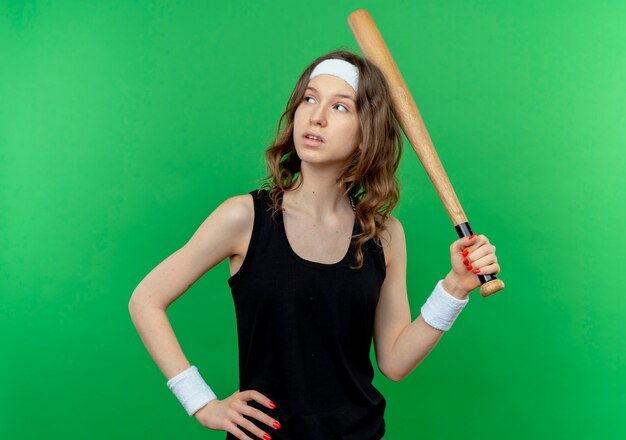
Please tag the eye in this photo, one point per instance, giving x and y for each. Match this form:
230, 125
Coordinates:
345, 109
307, 97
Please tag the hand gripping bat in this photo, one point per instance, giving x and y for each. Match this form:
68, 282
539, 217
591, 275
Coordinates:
405, 110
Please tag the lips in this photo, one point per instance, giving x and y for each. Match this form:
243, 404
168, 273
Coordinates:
313, 136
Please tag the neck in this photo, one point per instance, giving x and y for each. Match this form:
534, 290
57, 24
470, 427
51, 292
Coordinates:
318, 192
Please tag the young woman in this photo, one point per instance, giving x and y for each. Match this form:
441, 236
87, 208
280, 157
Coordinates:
318, 270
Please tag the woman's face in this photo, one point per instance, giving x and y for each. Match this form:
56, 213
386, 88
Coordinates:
327, 111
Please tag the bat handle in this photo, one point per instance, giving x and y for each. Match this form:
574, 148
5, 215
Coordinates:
489, 283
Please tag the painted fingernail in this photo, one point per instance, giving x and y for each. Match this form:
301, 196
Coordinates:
267, 437
469, 267
466, 261
465, 252
276, 425
271, 404
472, 236
476, 270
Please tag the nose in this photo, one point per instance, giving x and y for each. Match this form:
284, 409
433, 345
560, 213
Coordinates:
318, 117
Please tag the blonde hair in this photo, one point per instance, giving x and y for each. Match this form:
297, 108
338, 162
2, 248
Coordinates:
369, 177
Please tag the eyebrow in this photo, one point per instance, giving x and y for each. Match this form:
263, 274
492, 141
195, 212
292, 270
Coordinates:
339, 95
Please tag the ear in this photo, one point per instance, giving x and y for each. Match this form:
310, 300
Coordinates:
360, 147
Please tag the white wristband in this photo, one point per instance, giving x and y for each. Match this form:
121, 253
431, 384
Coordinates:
441, 308
191, 390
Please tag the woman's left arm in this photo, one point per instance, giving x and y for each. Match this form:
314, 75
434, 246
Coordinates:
401, 345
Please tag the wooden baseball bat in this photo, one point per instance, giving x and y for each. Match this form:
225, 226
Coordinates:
405, 110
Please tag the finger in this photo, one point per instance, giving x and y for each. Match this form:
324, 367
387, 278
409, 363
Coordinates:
258, 397
490, 269
462, 243
238, 433
484, 261
250, 427
478, 241
476, 255
261, 416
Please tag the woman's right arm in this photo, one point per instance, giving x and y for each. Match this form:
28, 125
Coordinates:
224, 233
216, 239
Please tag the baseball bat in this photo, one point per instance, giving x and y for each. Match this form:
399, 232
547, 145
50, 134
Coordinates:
405, 110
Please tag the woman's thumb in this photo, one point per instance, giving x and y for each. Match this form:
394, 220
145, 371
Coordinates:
462, 243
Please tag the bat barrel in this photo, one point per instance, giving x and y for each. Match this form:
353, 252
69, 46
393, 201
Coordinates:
406, 112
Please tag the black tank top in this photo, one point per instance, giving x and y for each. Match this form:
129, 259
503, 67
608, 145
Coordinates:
305, 330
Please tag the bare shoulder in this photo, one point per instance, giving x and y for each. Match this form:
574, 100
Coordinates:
391, 231
238, 218
225, 226
238, 209
393, 239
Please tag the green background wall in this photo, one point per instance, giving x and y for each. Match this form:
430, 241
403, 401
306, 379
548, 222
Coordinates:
124, 124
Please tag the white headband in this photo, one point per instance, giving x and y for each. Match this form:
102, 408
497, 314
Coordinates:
340, 68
